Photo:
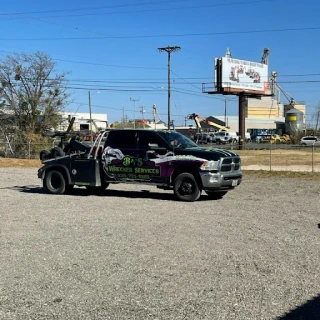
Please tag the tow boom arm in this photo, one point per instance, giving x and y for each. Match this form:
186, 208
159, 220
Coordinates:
197, 118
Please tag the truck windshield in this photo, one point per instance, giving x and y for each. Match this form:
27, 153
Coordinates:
177, 140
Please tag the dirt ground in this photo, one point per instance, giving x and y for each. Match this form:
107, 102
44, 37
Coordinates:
136, 253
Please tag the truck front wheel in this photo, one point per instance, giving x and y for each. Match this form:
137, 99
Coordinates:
54, 182
186, 188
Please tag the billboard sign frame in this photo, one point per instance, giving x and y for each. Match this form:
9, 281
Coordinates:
234, 76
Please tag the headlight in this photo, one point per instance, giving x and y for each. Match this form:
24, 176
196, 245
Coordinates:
210, 165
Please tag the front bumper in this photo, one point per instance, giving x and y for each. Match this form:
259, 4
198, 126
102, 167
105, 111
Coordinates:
218, 181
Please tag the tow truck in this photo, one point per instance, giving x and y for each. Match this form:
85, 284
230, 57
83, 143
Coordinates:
165, 159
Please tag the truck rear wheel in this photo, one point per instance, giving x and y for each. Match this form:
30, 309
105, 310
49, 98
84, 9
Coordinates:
216, 195
54, 182
186, 187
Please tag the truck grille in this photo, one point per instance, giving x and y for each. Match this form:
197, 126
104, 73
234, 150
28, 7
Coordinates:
230, 164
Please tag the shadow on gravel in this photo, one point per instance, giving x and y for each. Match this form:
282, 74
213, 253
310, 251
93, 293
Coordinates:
76, 192
27, 189
307, 311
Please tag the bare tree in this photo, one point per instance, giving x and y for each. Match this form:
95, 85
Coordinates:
32, 91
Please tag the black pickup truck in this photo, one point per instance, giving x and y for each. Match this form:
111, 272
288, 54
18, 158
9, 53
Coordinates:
165, 159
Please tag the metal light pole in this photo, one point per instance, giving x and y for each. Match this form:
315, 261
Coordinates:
134, 111
225, 112
91, 137
169, 49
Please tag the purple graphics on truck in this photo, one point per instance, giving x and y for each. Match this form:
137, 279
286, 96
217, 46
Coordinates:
119, 166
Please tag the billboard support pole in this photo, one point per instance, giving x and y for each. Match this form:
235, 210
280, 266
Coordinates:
242, 122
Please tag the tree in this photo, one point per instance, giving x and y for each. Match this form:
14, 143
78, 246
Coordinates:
32, 91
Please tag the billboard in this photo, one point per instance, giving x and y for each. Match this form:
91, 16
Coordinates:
234, 75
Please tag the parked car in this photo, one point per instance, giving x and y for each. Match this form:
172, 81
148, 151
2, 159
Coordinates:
247, 136
202, 138
309, 141
224, 137
213, 137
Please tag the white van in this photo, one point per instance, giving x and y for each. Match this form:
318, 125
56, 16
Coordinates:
223, 137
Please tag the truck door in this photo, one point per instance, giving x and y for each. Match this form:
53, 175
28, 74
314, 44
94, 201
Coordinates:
122, 157
151, 149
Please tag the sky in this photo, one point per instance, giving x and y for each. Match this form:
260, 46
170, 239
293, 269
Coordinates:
110, 48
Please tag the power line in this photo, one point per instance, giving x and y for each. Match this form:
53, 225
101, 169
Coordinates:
127, 110
91, 8
166, 35
135, 11
149, 79
99, 64
109, 65
162, 80
182, 91
118, 84
186, 81
85, 30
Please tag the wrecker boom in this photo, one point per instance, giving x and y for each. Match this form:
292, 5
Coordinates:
197, 118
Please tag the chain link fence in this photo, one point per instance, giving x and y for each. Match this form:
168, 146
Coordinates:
29, 150
276, 156
271, 157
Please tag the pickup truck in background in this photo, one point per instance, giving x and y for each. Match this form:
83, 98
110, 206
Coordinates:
165, 159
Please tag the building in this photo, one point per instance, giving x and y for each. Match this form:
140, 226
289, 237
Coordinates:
82, 121
264, 113
263, 108
252, 123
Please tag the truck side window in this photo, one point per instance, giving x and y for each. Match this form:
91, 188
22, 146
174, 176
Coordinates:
146, 138
123, 139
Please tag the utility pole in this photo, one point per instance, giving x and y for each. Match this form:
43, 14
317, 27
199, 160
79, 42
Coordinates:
154, 110
123, 118
225, 112
134, 111
142, 113
169, 49
91, 136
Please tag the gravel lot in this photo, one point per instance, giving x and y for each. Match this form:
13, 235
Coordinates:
135, 253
